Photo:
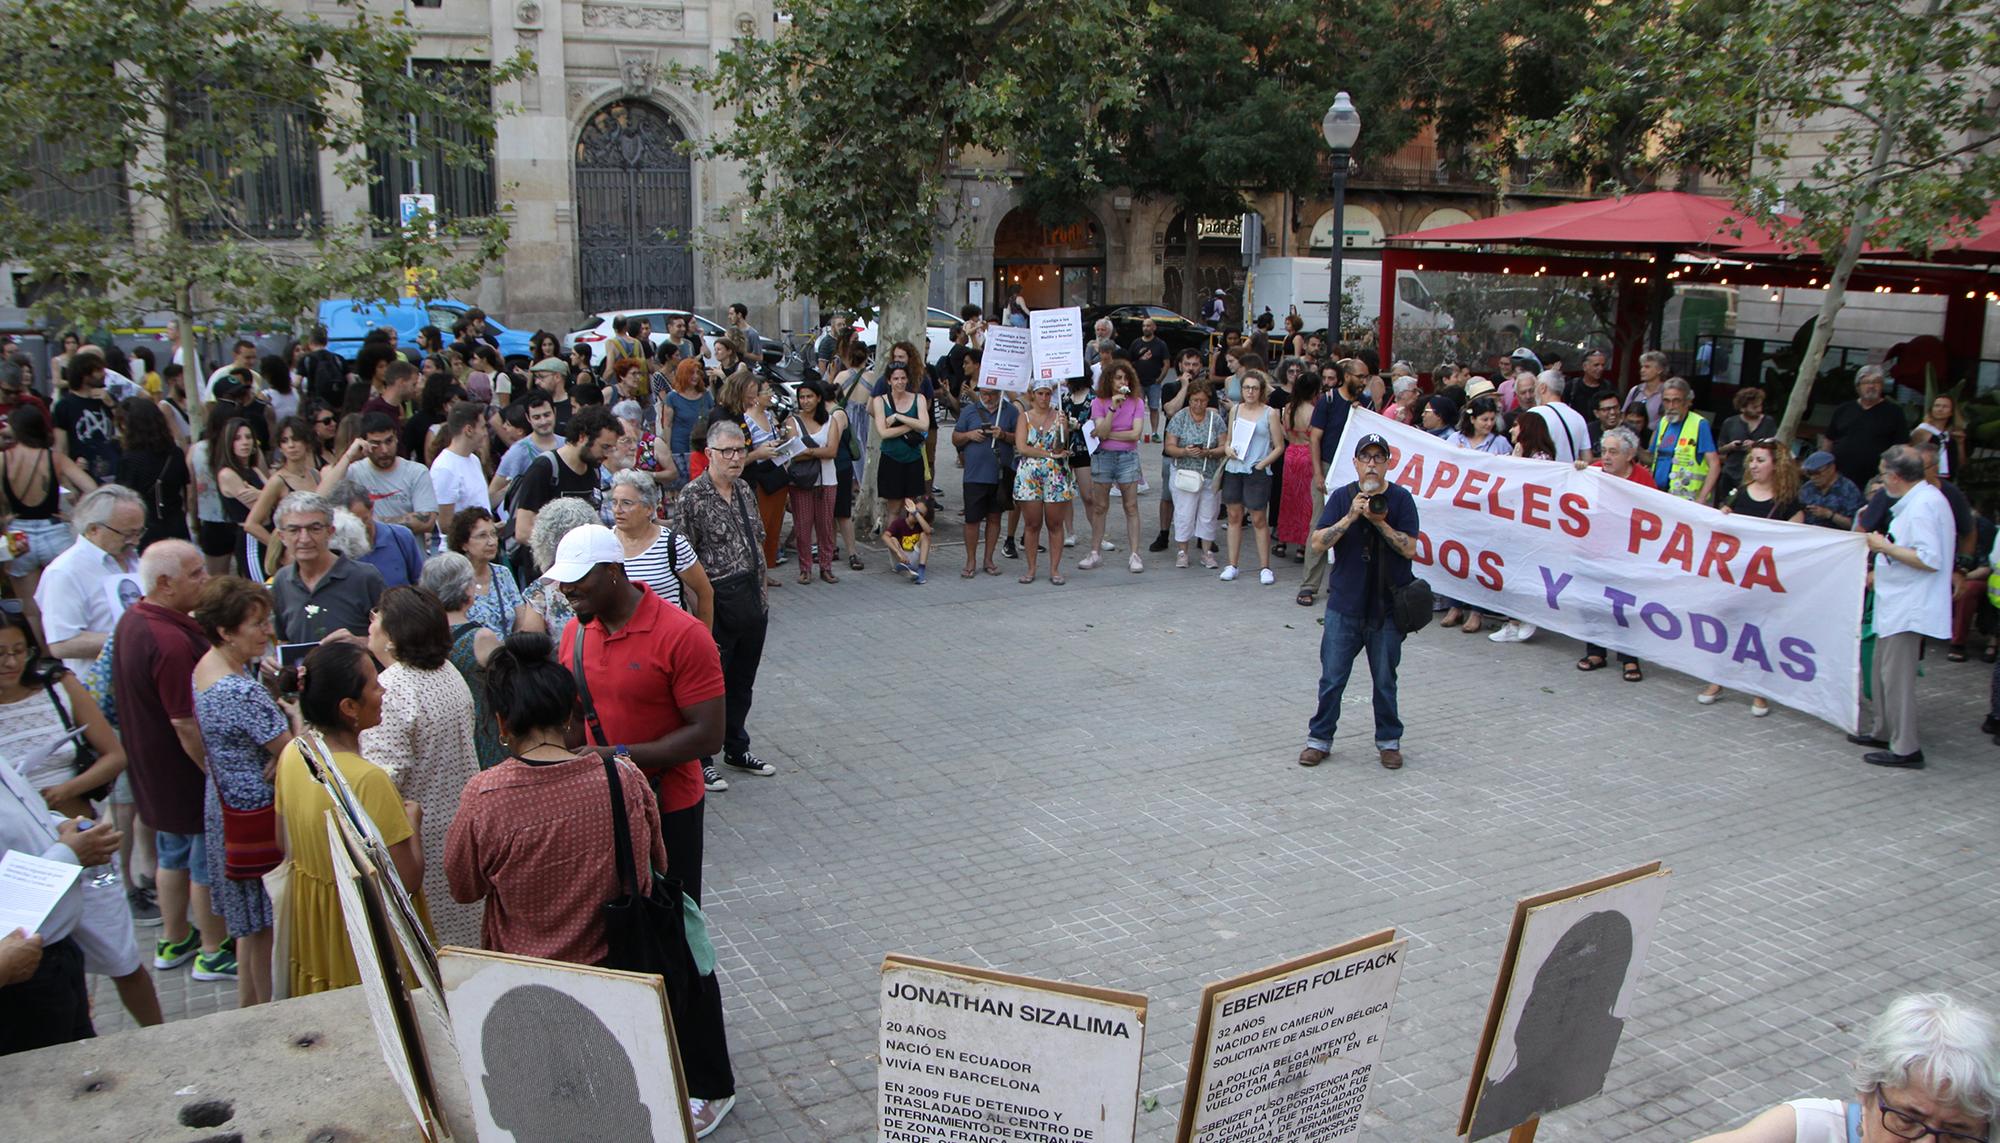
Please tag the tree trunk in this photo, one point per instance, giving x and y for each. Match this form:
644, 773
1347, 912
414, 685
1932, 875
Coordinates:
1191, 266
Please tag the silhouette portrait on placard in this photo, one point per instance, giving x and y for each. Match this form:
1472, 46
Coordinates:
1567, 1034
554, 1072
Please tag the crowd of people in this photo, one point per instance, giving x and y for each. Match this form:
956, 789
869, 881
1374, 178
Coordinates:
430, 561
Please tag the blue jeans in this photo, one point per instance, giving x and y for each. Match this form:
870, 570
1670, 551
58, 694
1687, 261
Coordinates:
1345, 637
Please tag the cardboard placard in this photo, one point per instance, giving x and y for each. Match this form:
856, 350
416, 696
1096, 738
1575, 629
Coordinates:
1058, 336
1566, 983
1008, 359
552, 1050
1289, 1052
971, 1054
389, 1008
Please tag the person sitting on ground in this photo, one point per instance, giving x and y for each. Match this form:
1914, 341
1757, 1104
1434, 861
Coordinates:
909, 533
1929, 1069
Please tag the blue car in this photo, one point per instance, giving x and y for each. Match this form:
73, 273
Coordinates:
347, 321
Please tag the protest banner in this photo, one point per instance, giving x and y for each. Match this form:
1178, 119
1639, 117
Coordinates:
1058, 336
1567, 980
1008, 360
971, 1054
1289, 1052
1760, 606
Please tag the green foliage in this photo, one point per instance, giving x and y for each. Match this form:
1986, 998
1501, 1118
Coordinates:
180, 98
847, 122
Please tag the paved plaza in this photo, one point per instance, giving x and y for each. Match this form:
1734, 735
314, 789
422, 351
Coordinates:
1096, 783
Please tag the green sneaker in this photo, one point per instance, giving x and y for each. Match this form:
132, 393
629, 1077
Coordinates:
219, 965
173, 954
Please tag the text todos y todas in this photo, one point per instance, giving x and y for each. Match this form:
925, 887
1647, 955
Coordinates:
1713, 553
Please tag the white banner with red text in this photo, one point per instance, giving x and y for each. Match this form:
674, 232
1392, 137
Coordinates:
1764, 607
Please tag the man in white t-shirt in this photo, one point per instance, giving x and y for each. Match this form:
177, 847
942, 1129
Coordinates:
1567, 428
457, 477
243, 355
399, 488
86, 588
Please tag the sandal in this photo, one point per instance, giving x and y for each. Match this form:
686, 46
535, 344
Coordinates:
992, 569
968, 573
1956, 653
1473, 624
1452, 618
1029, 578
1057, 580
1633, 674
1590, 663
826, 575
1306, 596
805, 575
854, 563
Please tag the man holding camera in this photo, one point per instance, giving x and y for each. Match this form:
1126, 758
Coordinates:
1370, 529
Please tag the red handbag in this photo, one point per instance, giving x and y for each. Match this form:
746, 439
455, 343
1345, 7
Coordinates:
249, 842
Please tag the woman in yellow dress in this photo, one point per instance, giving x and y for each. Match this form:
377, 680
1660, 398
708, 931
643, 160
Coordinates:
339, 696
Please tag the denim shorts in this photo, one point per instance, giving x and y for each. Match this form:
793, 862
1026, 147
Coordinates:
1153, 396
1119, 466
47, 539
187, 851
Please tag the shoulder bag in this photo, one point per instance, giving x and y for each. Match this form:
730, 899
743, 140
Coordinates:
1189, 479
86, 755
803, 471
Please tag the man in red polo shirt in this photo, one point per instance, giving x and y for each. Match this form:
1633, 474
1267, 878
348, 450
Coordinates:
655, 679
655, 684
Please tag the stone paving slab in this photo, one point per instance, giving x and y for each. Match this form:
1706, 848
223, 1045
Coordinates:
1095, 783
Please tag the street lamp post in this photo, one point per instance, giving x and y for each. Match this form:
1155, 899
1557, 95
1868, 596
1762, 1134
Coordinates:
1342, 126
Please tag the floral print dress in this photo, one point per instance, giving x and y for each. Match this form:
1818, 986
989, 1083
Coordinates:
1043, 478
237, 717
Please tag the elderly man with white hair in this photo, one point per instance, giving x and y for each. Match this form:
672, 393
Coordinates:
84, 590
1913, 565
1567, 428
1929, 1069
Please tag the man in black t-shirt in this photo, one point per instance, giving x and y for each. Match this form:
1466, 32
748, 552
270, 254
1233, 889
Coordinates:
85, 429
571, 470
1864, 428
1150, 356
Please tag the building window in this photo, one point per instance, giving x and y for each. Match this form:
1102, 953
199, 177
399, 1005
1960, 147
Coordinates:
278, 197
462, 191
95, 198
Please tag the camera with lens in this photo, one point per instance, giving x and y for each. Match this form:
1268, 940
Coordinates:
1378, 504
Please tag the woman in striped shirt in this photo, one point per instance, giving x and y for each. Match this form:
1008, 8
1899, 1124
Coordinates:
655, 554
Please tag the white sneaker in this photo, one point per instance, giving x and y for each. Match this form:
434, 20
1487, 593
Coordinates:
1137, 564
1089, 561
1069, 541
1510, 632
1144, 488
1229, 572
1527, 632
1107, 545
1266, 578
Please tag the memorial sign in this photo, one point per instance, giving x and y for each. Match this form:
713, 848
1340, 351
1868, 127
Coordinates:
1058, 335
969, 1054
1289, 1052
1007, 361
1567, 981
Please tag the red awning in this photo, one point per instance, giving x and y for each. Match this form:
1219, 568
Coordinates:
1978, 248
1648, 221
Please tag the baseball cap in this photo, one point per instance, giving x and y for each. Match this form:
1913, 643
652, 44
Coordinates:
1527, 355
1816, 461
1221, 293
582, 550
550, 365
1372, 440
1477, 387
229, 387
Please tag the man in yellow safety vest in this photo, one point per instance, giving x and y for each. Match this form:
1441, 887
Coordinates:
1685, 461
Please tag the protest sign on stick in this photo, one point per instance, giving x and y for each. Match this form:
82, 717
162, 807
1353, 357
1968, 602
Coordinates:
1050, 349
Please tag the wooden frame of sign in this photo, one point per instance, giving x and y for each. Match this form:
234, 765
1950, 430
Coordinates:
379, 877
1525, 1132
1133, 1000
459, 965
1204, 1028
382, 981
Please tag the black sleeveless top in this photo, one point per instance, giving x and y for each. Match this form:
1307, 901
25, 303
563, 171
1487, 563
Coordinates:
43, 510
